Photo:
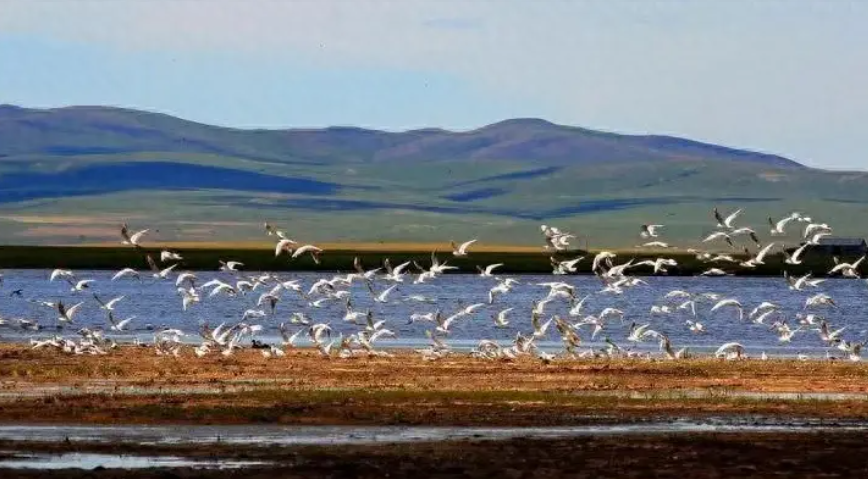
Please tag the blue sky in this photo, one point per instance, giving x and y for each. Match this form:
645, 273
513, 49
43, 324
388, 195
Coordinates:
786, 77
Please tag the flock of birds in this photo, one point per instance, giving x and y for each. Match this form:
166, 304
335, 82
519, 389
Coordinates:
264, 294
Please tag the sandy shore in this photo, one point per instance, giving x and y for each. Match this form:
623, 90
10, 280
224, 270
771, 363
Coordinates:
134, 385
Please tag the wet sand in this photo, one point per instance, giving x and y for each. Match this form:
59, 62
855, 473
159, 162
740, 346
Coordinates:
133, 385
689, 455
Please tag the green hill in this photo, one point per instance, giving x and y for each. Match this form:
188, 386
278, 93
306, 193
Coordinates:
71, 174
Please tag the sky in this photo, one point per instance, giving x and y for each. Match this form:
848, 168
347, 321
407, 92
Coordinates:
784, 77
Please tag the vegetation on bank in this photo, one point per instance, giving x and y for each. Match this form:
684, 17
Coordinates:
332, 260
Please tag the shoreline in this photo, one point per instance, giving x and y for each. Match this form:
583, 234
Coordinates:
134, 385
516, 260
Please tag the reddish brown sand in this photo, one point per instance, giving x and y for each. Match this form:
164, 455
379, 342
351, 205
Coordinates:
304, 388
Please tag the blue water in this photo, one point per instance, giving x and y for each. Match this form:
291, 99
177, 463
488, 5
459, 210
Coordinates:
156, 304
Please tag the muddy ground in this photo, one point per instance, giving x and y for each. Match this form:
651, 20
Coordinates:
804, 455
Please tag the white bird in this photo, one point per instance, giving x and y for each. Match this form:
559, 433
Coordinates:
500, 319
284, 245
730, 351
778, 227
126, 272
726, 222
308, 248
796, 257
230, 265
729, 302
383, 297
82, 285
488, 270
166, 255
819, 299
650, 231
462, 249
132, 239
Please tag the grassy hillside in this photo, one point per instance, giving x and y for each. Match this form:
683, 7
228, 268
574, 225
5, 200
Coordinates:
72, 175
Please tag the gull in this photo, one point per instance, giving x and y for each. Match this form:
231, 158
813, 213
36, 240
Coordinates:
761, 317
308, 248
594, 321
462, 249
778, 227
600, 257
655, 244
502, 287
729, 302
430, 317
119, 325
67, 314
639, 333
657, 310
830, 337
539, 329
612, 312
714, 272
284, 245
132, 239
671, 354
689, 304
565, 267
677, 293
796, 257
188, 277
649, 231
188, 297
500, 320
730, 351
718, 235
82, 285
726, 222
785, 333
166, 255
695, 326
761, 255
288, 339
746, 231
809, 319
576, 309
437, 267
220, 287
230, 265
813, 228
109, 305
722, 258
819, 299
395, 274
658, 264
815, 239
159, 273
126, 272
488, 270
763, 306
384, 295
847, 269
61, 273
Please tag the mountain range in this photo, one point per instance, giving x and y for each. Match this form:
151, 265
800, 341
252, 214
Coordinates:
71, 174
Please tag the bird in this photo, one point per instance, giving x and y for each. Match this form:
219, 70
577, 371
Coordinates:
650, 231
461, 250
132, 239
728, 220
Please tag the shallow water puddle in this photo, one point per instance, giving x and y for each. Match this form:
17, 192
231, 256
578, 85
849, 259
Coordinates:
113, 461
265, 435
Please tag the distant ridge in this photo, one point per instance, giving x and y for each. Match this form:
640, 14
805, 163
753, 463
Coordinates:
81, 130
